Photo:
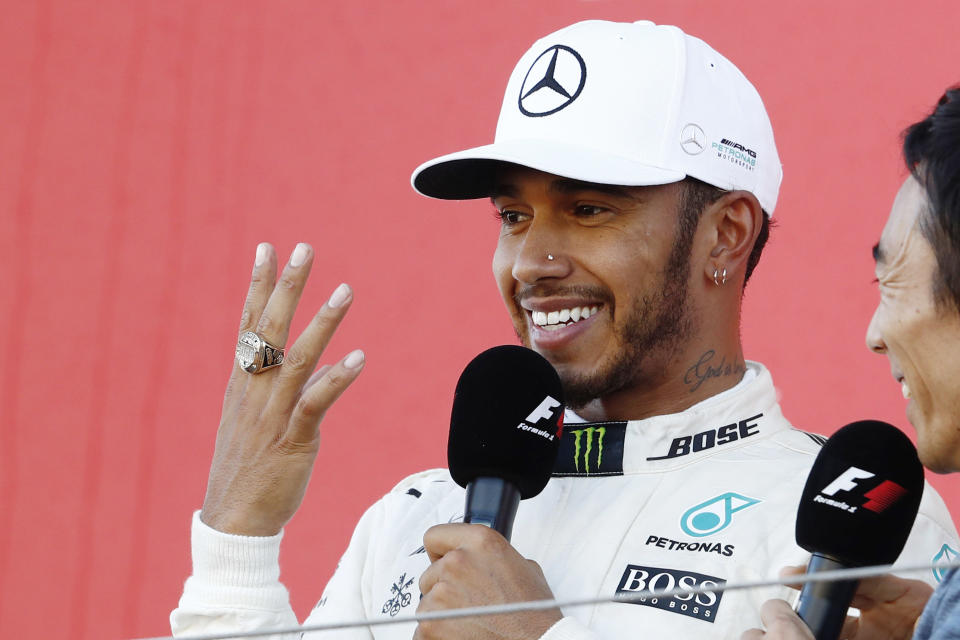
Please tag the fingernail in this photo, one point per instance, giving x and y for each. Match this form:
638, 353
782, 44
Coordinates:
261, 254
354, 360
339, 296
299, 255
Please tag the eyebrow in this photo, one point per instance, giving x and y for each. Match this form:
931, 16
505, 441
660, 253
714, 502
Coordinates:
503, 189
567, 186
878, 253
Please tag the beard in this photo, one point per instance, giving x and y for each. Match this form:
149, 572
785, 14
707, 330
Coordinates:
656, 328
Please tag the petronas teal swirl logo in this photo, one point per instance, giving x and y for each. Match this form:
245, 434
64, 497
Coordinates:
707, 518
587, 438
946, 554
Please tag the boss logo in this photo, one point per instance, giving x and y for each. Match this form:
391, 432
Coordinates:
702, 606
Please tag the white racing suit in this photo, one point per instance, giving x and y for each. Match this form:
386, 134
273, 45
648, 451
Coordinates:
703, 496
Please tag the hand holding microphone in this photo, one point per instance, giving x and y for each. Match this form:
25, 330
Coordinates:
504, 434
857, 509
889, 609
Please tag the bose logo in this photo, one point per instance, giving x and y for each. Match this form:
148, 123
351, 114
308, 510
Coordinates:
712, 438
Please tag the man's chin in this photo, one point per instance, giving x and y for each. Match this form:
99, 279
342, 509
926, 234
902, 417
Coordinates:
580, 390
582, 383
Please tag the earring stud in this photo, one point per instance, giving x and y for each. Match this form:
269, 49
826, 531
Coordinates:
719, 278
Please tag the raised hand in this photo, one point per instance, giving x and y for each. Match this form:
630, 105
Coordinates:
269, 428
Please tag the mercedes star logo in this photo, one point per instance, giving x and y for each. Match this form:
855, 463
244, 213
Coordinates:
693, 140
554, 80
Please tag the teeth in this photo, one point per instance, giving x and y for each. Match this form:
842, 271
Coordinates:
543, 318
905, 389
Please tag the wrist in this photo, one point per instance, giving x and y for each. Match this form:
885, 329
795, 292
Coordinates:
239, 524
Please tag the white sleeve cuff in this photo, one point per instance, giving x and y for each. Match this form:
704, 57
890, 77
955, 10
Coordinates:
239, 570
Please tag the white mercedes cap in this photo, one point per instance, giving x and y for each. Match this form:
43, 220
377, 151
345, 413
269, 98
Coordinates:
626, 104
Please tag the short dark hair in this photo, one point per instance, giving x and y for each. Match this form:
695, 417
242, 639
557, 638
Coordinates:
696, 195
931, 150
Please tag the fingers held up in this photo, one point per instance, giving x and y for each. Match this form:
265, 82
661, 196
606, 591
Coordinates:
269, 430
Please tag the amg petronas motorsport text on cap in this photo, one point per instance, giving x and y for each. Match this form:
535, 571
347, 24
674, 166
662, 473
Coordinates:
626, 104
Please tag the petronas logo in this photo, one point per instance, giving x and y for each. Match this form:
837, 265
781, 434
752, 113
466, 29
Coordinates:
585, 442
946, 554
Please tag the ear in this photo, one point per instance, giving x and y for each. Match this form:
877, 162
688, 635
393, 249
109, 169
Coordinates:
734, 222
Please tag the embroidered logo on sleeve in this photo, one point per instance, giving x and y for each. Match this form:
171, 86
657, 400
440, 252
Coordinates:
400, 597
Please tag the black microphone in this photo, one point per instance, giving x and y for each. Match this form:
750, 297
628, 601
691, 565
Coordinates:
857, 509
504, 432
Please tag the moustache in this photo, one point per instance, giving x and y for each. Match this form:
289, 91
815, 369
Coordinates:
544, 290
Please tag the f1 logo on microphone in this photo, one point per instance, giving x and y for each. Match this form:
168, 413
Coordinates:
544, 411
847, 481
878, 499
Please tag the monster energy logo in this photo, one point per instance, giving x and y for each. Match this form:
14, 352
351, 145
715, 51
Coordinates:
591, 449
578, 435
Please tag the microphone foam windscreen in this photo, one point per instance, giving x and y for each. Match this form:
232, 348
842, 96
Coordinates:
507, 419
861, 496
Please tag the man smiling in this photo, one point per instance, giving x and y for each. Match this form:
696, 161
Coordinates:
601, 238
917, 327
619, 257
914, 325
634, 171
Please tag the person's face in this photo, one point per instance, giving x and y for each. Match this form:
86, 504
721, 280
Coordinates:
921, 339
609, 309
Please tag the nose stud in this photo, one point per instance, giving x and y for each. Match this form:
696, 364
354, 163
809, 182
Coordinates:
549, 256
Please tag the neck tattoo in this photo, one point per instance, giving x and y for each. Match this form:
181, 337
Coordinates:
709, 367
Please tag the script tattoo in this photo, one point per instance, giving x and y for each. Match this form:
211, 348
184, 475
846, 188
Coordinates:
704, 369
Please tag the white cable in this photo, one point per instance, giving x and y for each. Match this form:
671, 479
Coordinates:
537, 605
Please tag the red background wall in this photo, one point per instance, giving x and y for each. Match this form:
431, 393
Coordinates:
146, 147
